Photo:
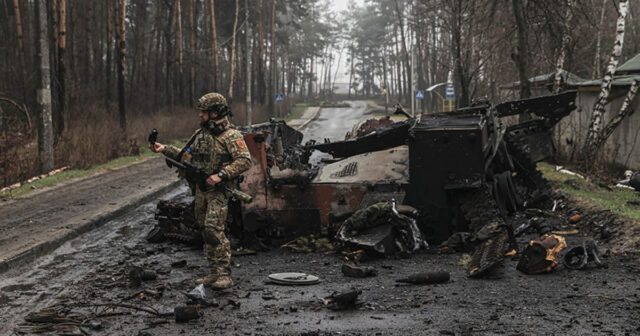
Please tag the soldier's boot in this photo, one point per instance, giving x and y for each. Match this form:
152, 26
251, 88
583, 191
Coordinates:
208, 280
223, 282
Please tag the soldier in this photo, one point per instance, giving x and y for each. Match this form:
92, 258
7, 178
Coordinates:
220, 149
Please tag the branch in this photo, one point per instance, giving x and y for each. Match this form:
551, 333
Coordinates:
22, 109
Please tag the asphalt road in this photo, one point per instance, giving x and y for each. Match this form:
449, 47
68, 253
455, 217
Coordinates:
333, 124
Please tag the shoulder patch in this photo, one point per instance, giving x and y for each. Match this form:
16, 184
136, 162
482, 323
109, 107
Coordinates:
240, 143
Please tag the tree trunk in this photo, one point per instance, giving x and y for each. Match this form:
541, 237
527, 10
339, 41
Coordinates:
399, 77
310, 89
625, 110
45, 133
522, 55
456, 43
605, 89
272, 60
62, 45
122, 14
260, 57
179, 35
353, 56
215, 45
405, 53
596, 61
21, 53
192, 54
109, 53
566, 38
233, 55
248, 109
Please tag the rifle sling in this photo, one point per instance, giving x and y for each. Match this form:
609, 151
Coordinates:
189, 143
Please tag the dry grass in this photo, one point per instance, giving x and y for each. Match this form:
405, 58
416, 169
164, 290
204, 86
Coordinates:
94, 137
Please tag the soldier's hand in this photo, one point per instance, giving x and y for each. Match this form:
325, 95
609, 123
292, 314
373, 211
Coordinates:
213, 180
156, 147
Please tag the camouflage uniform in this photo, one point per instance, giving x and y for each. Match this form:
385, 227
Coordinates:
227, 153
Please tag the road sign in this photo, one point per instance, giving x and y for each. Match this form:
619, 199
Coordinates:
450, 92
279, 97
420, 94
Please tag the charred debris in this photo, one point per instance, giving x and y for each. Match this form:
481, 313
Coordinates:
459, 181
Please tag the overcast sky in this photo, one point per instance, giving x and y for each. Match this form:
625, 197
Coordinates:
340, 5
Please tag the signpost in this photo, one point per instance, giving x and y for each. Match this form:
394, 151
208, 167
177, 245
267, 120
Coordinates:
279, 97
420, 94
450, 92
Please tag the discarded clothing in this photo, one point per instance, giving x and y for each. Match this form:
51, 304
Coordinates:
540, 256
578, 257
381, 228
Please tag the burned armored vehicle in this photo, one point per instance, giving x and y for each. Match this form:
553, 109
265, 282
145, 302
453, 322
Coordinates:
459, 170
442, 164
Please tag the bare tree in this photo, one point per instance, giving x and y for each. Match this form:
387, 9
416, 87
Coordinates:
233, 54
192, 53
122, 15
625, 110
248, 106
595, 126
215, 45
521, 57
109, 53
61, 68
596, 60
272, 61
19, 34
566, 37
45, 132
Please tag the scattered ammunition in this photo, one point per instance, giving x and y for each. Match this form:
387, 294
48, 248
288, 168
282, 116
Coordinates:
186, 313
426, 278
358, 271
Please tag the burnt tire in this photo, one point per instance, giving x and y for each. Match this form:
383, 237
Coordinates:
184, 239
156, 235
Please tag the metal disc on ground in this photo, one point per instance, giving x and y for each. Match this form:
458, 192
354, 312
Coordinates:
293, 278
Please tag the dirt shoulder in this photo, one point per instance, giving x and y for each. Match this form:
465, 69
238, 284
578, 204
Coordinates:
35, 224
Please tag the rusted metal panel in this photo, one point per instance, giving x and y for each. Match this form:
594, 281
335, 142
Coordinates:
385, 166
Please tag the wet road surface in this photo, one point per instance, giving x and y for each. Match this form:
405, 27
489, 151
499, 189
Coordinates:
333, 123
80, 277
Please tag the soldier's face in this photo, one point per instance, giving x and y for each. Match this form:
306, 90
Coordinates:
204, 116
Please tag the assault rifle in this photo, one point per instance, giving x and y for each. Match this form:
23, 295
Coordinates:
199, 176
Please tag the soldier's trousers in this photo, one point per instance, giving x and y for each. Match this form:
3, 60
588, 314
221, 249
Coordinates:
211, 214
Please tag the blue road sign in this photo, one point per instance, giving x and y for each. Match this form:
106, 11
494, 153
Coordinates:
450, 92
279, 97
420, 94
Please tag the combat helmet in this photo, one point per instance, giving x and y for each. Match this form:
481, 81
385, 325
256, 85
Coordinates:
213, 102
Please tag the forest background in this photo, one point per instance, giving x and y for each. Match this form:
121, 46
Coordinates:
117, 68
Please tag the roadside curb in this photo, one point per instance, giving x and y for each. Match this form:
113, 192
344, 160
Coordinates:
72, 180
47, 247
313, 117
